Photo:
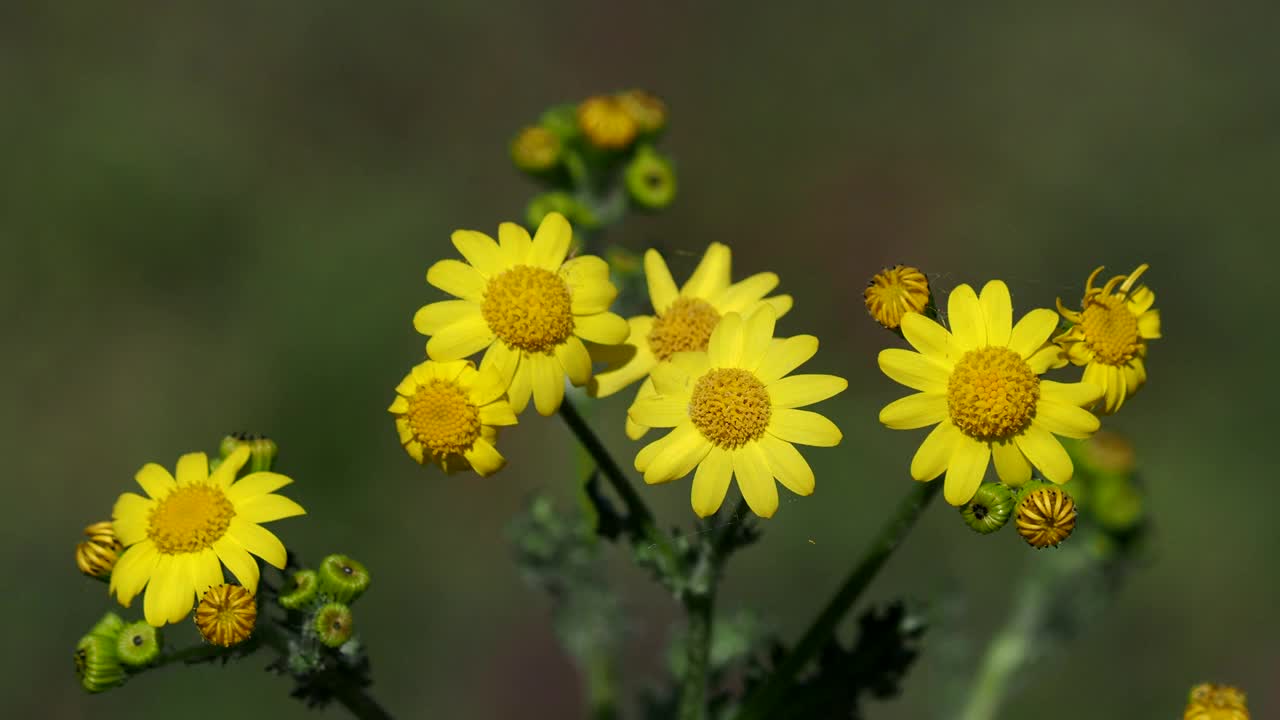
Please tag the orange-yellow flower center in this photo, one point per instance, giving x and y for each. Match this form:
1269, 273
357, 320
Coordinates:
1110, 330
1046, 517
190, 519
226, 615
730, 406
528, 308
686, 326
894, 292
443, 418
992, 393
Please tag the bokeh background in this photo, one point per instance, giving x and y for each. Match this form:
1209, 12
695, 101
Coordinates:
217, 217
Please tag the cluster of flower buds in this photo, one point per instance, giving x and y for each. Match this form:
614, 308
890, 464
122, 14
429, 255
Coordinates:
1043, 513
262, 451
582, 151
112, 649
319, 602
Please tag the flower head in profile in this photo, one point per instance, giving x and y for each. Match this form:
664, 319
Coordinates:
526, 306
179, 536
226, 615
1110, 334
447, 413
734, 413
895, 292
980, 384
684, 318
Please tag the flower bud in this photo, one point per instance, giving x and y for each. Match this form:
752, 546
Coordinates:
578, 214
342, 578
138, 644
333, 624
1109, 452
108, 627
650, 179
989, 509
305, 589
894, 292
562, 121
647, 110
1045, 516
536, 150
97, 665
605, 123
1116, 503
1208, 701
226, 615
97, 556
262, 450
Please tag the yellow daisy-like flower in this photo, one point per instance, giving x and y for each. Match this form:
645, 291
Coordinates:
178, 538
684, 318
527, 305
447, 413
980, 383
1110, 333
734, 414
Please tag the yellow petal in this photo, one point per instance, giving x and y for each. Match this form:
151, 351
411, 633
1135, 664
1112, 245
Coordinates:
659, 411
635, 430
968, 324
547, 380
1045, 452
255, 484
787, 465
133, 570
205, 571
458, 279
514, 242
801, 390
969, 459
725, 346
1011, 464
694, 364
1033, 331
1114, 396
804, 427
575, 360
461, 339
711, 482
155, 480
712, 274
934, 454
1047, 357
742, 296
1149, 325
1066, 420
258, 540
481, 251
662, 288
169, 595
641, 361
501, 361
550, 242
757, 336
1080, 394
484, 458
590, 291
605, 328
915, 411
784, 356
755, 480
927, 336
130, 516
431, 319
521, 388
1141, 300
486, 386
997, 308
684, 449
226, 472
268, 508
781, 304
192, 468
498, 413
914, 370
238, 561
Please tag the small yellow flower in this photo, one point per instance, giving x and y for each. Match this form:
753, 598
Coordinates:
734, 414
980, 383
606, 123
177, 539
226, 615
526, 306
1110, 333
96, 556
684, 319
1046, 516
894, 292
647, 110
536, 149
447, 413
1216, 702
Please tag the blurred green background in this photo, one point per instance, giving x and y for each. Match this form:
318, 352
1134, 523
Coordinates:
217, 217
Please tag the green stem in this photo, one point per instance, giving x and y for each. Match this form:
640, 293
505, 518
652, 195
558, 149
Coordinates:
764, 702
601, 687
693, 696
354, 698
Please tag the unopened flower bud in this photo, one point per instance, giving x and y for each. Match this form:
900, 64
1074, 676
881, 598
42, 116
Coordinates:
138, 644
226, 615
97, 556
342, 578
894, 292
1045, 516
304, 591
97, 665
647, 110
536, 150
333, 624
108, 627
262, 450
605, 123
562, 121
1216, 702
650, 179
989, 509
543, 204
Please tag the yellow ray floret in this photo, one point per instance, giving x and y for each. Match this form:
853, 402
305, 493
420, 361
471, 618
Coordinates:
734, 413
526, 306
447, 413
1109, 335
179, 536
980, 384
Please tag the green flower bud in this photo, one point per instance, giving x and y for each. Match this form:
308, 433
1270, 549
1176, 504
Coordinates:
1116, 503
342, 578
333, 624
97, 665
262, 454
305, 590
562, 121
989, 509
138, 644
650, 179
229, 444
108, 627
578, 214
536, 150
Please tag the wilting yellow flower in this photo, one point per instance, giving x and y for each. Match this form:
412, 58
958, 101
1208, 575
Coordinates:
734, 413
1110, 333
447, 413
894, 292
1216, 702
606, 123
177, 539
1046, 516
530, 307
226, 615
980, 383
683, 318
96, 556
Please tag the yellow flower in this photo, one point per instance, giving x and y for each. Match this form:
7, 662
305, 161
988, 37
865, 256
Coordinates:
606, 123
647, 110
980, 383
734, 414
527, 305
447, 413
684, 318
1216, 702
1110, 333
894, 292
226, 615
177, 539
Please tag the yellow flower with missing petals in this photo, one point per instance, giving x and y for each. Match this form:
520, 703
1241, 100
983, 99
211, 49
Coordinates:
526, 306
734, 413
447, 413
1110, 333
894, 292
980, 383
226, 615
177, 539
683, 318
